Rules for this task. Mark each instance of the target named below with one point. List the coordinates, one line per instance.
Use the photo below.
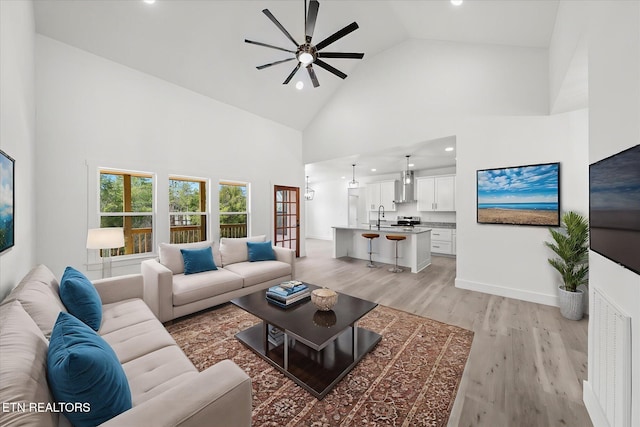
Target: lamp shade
(105, 238)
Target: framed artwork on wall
(7, 199)
(522, 195)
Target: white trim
(319, 237)
(597, 415)
(529, 296)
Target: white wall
(17, 133)
(614, 125)
(399, 96)
(512, 260)
(94, 113)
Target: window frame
(206, 205)
(247, 212)
(94, 261)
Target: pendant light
(407, 177)
(353, 183)
(308, 192)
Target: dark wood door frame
(286, 217)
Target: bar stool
(396, 238)
(370, 236)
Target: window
(188, 213)
(233, 209)
(126, 200)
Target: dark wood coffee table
(319, 348)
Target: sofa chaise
(166, 388)
(170, 293)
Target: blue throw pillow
(261, 251)
(83, 369)
(81, 298)
(198, 260)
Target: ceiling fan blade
(312, 74)
(311, 19)
(346, 55)
(260, 67)
(290, 76)
(279, 25)
(337, 35)
(268, 45)
(329, 68)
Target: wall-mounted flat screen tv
(614, 208)
(522, 195)
(7, 198)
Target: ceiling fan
(307, 53)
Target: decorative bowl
(324, 299)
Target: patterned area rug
(409, 379)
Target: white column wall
(614, 125)
(17, 133)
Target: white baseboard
(529, 296)
(598, 418)
(308, 236)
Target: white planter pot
(571, 304)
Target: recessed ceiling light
(343, 177)
(373, 170)
(456, 2)
(411, 165)
(299, 85)
(149, 1)
(448, 149)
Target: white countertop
(385, 229)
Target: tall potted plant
(571, 245)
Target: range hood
(405, 189)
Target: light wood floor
(527, 363)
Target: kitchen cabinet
(441, 241)
(436, 193)
(381, 193)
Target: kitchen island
(414, 252)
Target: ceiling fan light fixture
(299, 85)
(306, 58)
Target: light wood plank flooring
(527, 363)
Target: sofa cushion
(198, 260)
(38, 294)
(196, 287)
(254, 273)
(234, 250)
(261, 251)
(81, 298)
(156, 372)
(139, 339)
(171, 257)
(119, 315)
(23, 368)
(82, 368)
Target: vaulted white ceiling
(199, 45)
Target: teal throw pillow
(261, 251)
(81, 298)
(84, 372)
(198, 260)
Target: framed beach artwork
(7, 197)
(523, 195)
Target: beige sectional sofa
(166, 389)
(170, 293)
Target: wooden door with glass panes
(287, 217)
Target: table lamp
(105, 238)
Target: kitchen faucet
(378, 222)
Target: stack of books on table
(287, 294)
